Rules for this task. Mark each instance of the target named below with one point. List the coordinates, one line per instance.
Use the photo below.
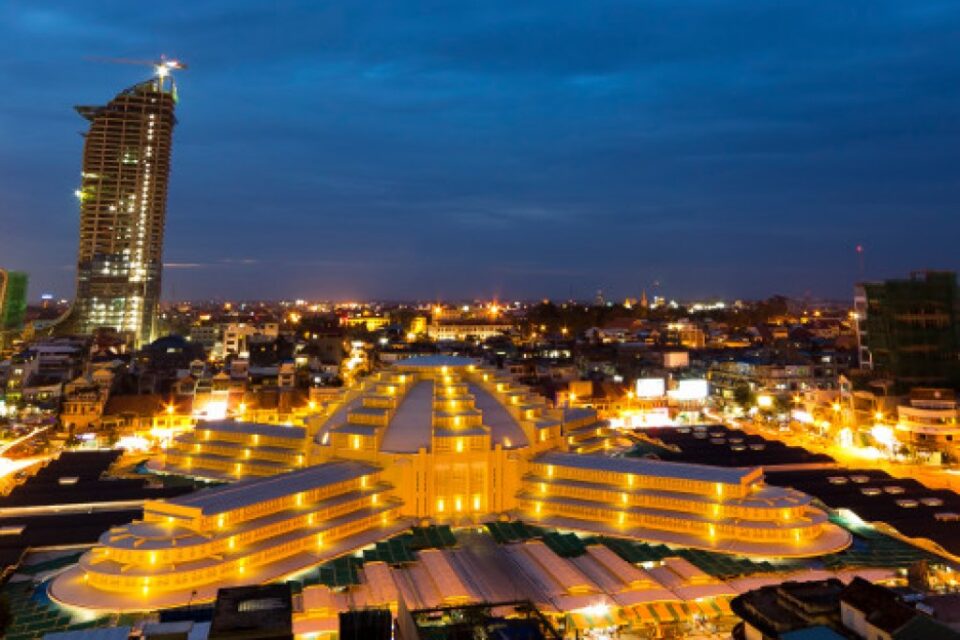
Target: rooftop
(429, 362)
(699, 472)
(247, 492)
(253, 428)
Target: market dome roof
(418, 400)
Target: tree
(743, 395)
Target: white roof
(495, 415)
(247, 492)
(409, 430)
(253, 428)
(443, 574)
(679, 470)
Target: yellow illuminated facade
(251, 531)
(227, 450)
(370, 323)
(433, 438)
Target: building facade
(929, 422)
(13, 300)
(123, 202)
(910, 329)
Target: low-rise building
(930, 421)
(467, 330)
(781, 376)
(84, 400)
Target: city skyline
(456, 153)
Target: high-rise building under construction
(123, 204)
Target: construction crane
(162, 67)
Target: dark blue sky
(524, 149)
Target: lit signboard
(690, 390)
(651, 388)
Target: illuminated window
(260, 604)
(356, 442)
(459, 445)
(440, 505)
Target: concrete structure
(226, 450)
(253, 531)
(910, 329)
(123, 202)
(467, 329)
(435, 438)
(13, 300)
(930, 421)
(779, 375)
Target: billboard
(696, 389)
(651, 388)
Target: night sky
(517, 149)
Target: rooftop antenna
(861, 260)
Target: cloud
(423, 147)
